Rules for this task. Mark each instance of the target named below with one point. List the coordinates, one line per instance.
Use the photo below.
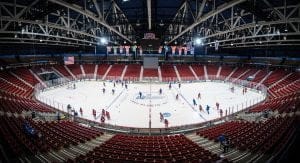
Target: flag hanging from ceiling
(69, 60)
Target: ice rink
(128, 109)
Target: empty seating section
(133, 70)
(239, 72)
(289, 103)
(11, 88)
(289, 88)
(8, 77)
(249, 73)
(274, 77)
(168, 72)
(260, 75)
(102, 69)
(250, 135)
(212, 69)
(226, 70)
(89, 68)
(150, 73)
(149, 149)
(116, 70)
(75, 69)
(63, 71)
(289, 80)
(26, 75)
(54, 135)
(199, 70)
(185, 72)
(18, 104)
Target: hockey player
(102, 119)
(177, 97)
(140, 93)
(104, 84)
(194, 102)
(217, 105)
(107, 115)
(200, 108)
(207, 109)
(166, 123)
(113, 91)
(126, 86)
(170, 86)
(74, 86)
(80, 110)
(199, 95)
(221, 113)
(160, 91)
(114, 84)
(179, 85)
(103, 90)
(161, 117)
(103, 112)
(94, 113)
(232, 89)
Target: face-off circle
(150, 99)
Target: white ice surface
(126, 109)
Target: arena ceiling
(222, 23)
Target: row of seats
(43, 137)
(287, 103)
(128, 148)
(251, 135)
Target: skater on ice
(161, 117)
(74, 86)
(113, 91)
(114, 84)
(103, 112)
(126, 86)
(179, 85)
(80, 110)
(200, 108)
(177, 97)
(199, 95)
(221, 113)
(140, 94)
(194, 102)
(207, 109)
(104, 84)
(94, 113)
(166, 123)
(102, 119)
(160, 91)
(170, 86)
(103, 90)
(217, 105)
(107, 115)
(232, 89)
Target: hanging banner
(179, 50)
(127, 50)
(121, 49)
(160, 49)
(108, 48)
(185, 50)
(115, 50)
(173, 49)
(134, 48)
(192, 50)
(141, 50)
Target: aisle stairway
(72, 152)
